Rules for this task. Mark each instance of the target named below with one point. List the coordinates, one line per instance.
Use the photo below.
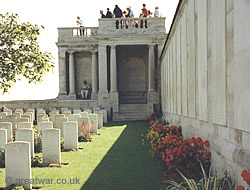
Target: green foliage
(62, 143)
(20, 54)
(206, 183)
(85, 138)
(36, 161)
(2, 157)
(37, 140)
(14, 187)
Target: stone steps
(131, 112)
(132, 97)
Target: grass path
(115, 160)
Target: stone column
(103, 98)
(114, 100)
(94, 75)
(62, 74)
(113, 70)
(72, 91)
(151, 68)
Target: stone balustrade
(76, 33)
(108, 27)
(119, 26)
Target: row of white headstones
(69, 124)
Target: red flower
(150, 150)
(167, 160)
(151, 122)
(206, 143)
(155, 149)
(244, 173)
(240, 187)
(206, 154)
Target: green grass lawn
(115, 160)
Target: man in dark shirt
(118, 14)
(108, 14)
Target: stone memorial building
(121, 65)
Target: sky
(62, 13)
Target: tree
(20, 54)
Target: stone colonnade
(101, 77)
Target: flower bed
(175, 152)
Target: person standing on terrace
(118, 14)
(80, 24)
(156, 13)
(102, 15)
(108, 14)
(145, 14)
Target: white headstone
(95, 109)
(28, 136)
(3, 114)
(51, 146)
(70, 131)
(105, 115)
(84, 126)
(76, 111)
(18, 115)
(41, 117)
(26, 116)
(100, 119)
(3, 137)
(88, 110)
(67, 113)
(44, 125)
(18, 164)
(8, 111)
(74, 117)
(24, 125)
(59, 124)
(94, 120)
(8, 127)
(84, 114)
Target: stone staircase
(135, 97)
(130, 112)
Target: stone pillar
(151, 68)
(113, 70)
(94, 76)
(103, 97)
(70, 131)
(72, 91)
(18, 164)
(3, 137)
(62, 74)
(114, 100)
(51, 146)
(28, 136)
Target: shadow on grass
(127, 165)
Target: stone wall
(49, 104)
(132, 68)
(205, 77)
(83, 69)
